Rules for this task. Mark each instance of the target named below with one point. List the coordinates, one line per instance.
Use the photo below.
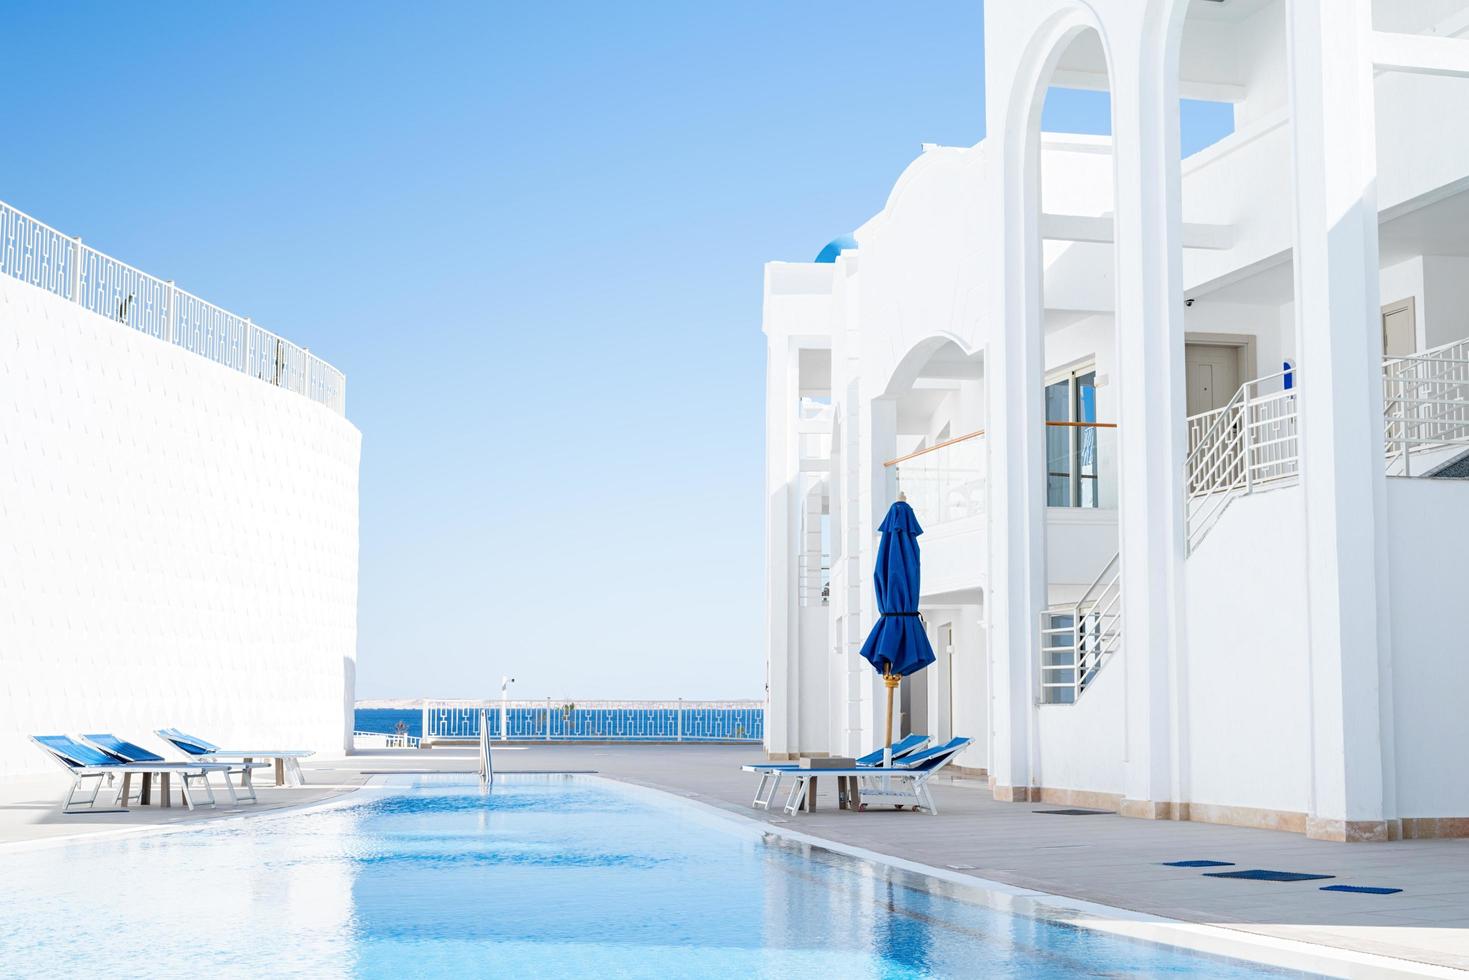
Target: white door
(1212, 372)
(1399, 329)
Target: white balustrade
(598, 721)
(40, 255)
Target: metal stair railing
(1249, 444)
(1076, 640)
(1425, 401)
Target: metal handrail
(1095, 633)
(935, 447)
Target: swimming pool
(543, 876)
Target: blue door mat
(1074, 813)
(1258, 874)
(1198, 864)
(1360, 889)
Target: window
(1071, 444)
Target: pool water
(541, 876)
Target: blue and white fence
(597, 721)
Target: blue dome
(835, 248)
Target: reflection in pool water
(543, 876)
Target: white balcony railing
(597, 721)
(38, 254)
(944, 482)
(1426, 406)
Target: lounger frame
(897, 786)
(80, 773)
(771, 773)
(287, 761)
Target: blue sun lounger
(905, 784)
(125, 751)
(287, 764)
(85, 762)
(771, 772)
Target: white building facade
(178, 514)
(1183, 433)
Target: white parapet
(178, 541)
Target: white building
(1152, 413)
(178, 513)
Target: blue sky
(531, 235)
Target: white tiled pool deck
(1105, 859)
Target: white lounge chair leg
(203, 778)
(758, 802)
(293, 772)
(230, 788)
(797, 797)
(247, 787)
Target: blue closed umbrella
(898, 644)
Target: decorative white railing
(38, 254)
(384, 740)
(1077, 640)
(1425, 400)
(1248, 445)
(597, 721)
(944, 482)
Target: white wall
(1248, 707)
(1444, 315)
(1430, 682)
(178, 543)
(1082, 745)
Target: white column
(1340, 402)
(857, 570)
(1014, 369)
(1148, 327)
(782, 674)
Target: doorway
(1214, 373)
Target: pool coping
(1197, 937)
(1208, 939)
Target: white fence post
(679, 736)
(423, 730)
(1247, 441)
(548, 719)
(170, 332)
(76, 271)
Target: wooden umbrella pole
(891, 680)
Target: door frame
(1410, 304)
(1248, 365)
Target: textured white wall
(178, 543)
